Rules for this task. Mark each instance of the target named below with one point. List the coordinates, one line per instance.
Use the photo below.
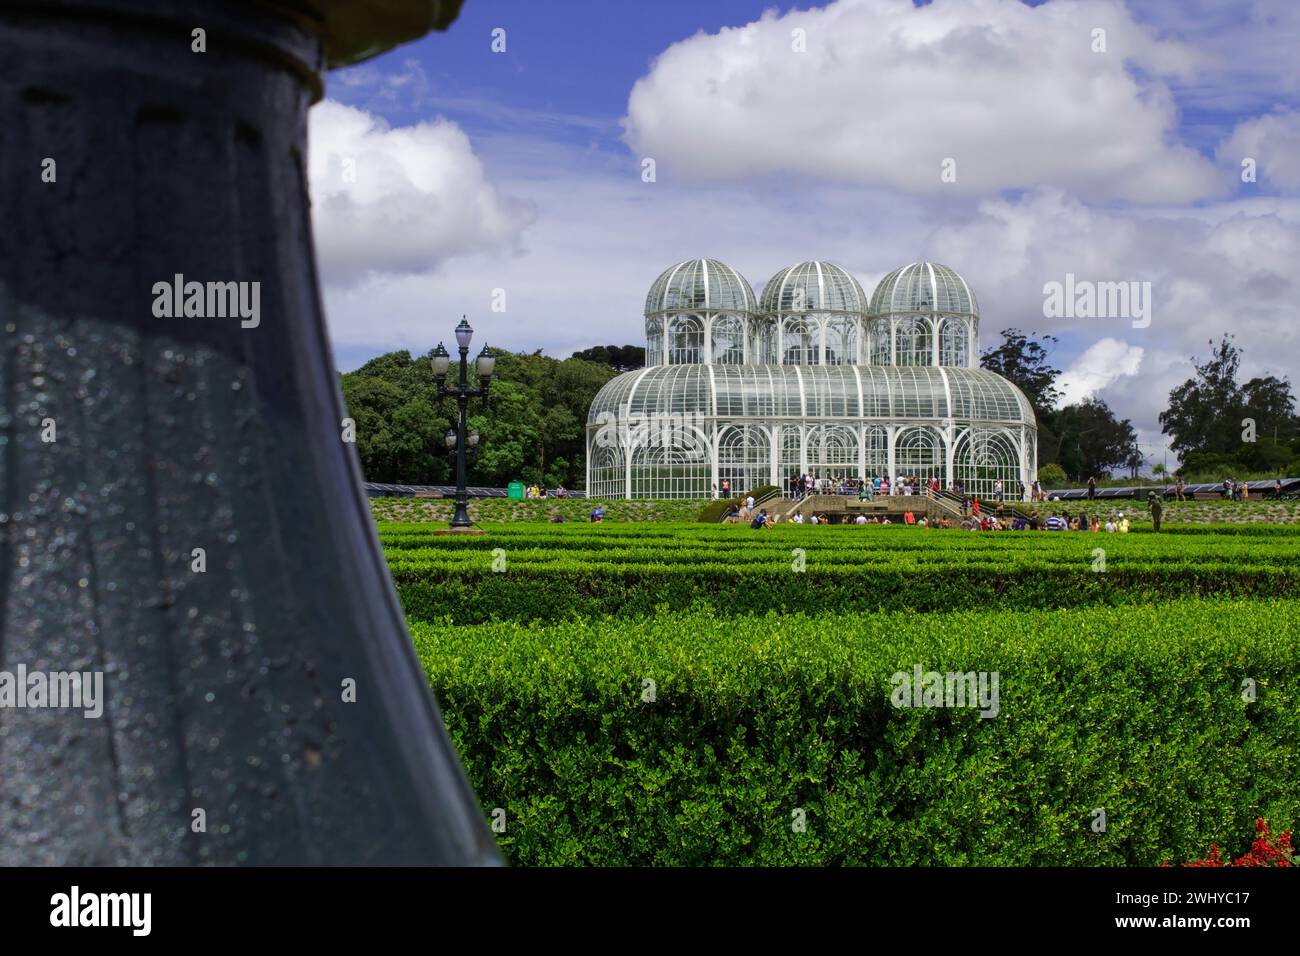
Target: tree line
(1218, 426)
(534, 429)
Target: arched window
(912, 341)
(841, 341)
(679, 468)
(954, 342)
(801, 343)
(875, 440)
(880, 354)
(608, 477)
(744, 457)
(832, 451)
(790, 462)
(981, 456)
(728, 344)
(685, 340)
(919, 453)
(654, 341)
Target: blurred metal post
(181, 514)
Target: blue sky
(477, 172)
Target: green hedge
(1135, 710)
(497, 511)
(548, 595)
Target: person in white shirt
(1110, 524)
(798, 517)
(812, 520)
(860, 519)
(749, 503)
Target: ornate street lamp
(458, 444)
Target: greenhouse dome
(923, 314)
(698, 311)
(736, 395)
(812, 313)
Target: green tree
(621, 358)
(1221, 427)
(1024, 361)
(1094, 442)
(534, 428)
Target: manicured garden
(701, 694)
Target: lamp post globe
(463, 334)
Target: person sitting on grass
(798, 517)
(1111, 526)
(860, 519)
(760, 520)
(1058, 522)
(597, 515)
(1123, 524)
(922, 523)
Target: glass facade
(810, 377)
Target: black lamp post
(457, 442)
(273, 691)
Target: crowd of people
(1115, 523)
(865, 489)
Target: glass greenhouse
(811, 377)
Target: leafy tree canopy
(532, 431)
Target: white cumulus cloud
(1098, 366)
(1273, 142)
(886, 91)
(400, 201)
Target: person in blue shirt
(760, 519)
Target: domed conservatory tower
(810, 377)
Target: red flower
(1262, 851)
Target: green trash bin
(515, 491)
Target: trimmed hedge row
(551, 593)
(755, 722)
(506, 511)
